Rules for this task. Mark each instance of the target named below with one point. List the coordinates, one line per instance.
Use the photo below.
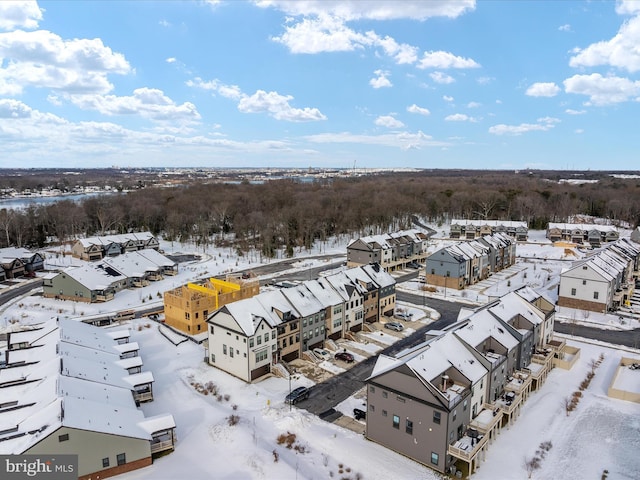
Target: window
(409, 427)
(121, 458)
(304, 322)
(259, 338)
(401, 399)
(105, 462)
(291, 340)
(266, 337)
(224, 349)
(584, 282)
(595, 295)
(261, 356)
(372, 408)
(372, 389)
(573, 292)
(273, 334)
(455, 414)
(434, 458)
(464, 405)
(273, 347)
(213, 358)
(63, 438)
(211, 329)
(436, 417)
(385, 394)
(251, 342)
(396, 421)
(231, 352)
(384, 413)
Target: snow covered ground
(601, 434)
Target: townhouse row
(392, 251)
(17, 262)
(442, 402)
(466, 263)
(471, 229)
(71, 388)
(100, 282)
(582, 233)
(604, 281)
(248, 337)
(103, 246)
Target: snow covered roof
(303, 300)
(582, 226)
(16, 252)
(92, 277)
(248, 313)
(132, 264)
(156, 257)
(511, 304)
(322, 289)
(482, 325)
(379, 275)
(492, 223)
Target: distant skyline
(320, 83)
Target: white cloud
(14, 109)
(164, 23)
(445, 60)
(571, 111)
(565, 28)
(402, 140)
(543, 89)
(372, 9)
(548, 120)
(277, 106)
(627, 7)
(402, 53)
(321, 34)
(442, 78)
(170, 60)
(473, 105)
(621, 51)
(19, 14)
(388, 121)
(43, 59)
(603, 90)
(579, 130)
(484, 80)
(447, 98)
(381, 80)
(215, 86)
(147, 102)
(460, 117)
(503, 129)
(419, 110)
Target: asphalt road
(325, 396)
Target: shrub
(233, 420)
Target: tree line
(286, 214)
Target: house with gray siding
(392, 251)
(88, 284)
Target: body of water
(25, 202)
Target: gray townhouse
(471, 229)
(392, 250)
(442, 402)
(581, 233)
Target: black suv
(300, 393)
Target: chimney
(444, 382)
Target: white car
(322, 354)
(403, 315)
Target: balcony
(142, 397)
(105, 297)
(157, 446)
(487, 419)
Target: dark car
(296, 395)
(345, 357)
(359, 414)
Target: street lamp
(290, 402)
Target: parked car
(296, 395)
(398, 327)
(345, 357)
(403, 315)
(414, 265)
(322, 353)
(359, 414)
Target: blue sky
(320, 83)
